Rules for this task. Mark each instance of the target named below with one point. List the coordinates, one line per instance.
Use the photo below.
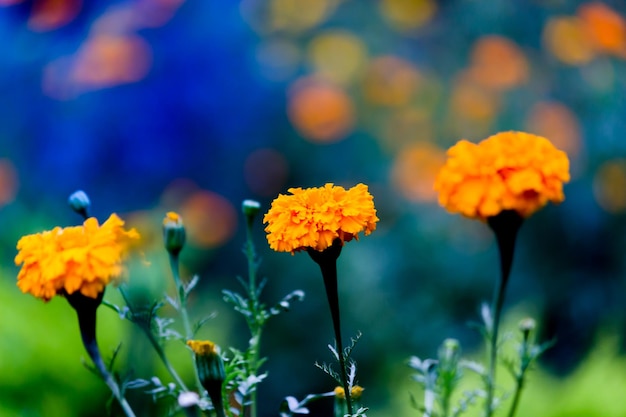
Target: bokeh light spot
(606, 27)
(406, 15)
(337, 55)
(320, 111)
(567, 39)
(555, 121)
(390, 81)
(414, 171)
(210, 219)
(498, 63)
(51, 14)
(298, 15)
(8, 182)
(265, 172)
(609, 186)
(107, 60)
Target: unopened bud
(250, 209)
(210, 367)
(526, 326)
(449, 351)
(173, 233)
(79, 202)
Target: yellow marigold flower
(80, 258)
(314, 217)
(507, 171)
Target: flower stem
(254, 323)
(519, 384)
(182, 304)
(505, 226)
(327, 260)
(182, 298)
(86, 308)
(146, 327)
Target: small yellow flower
(355, 392)
(172, 219)
(315, 217)
(80, 258)
(507, 171)
(202, 347)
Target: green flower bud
(173, 232)
(79, 202)
(449, 351)
(250, 209)
(526, 326)
(211, 373)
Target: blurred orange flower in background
(80, 258)
(507, 171)
(320, 111)
(605, 27)
(315, 217)
(498, 63)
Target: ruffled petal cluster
(80, 258)
(315, 217)
(507, 171)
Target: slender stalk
(86, 308)
(327, 260)
(518, 392)
(154, 342)
(505, 227)
(182, 301)
(182, 304)
(253, 322)
(161, 353)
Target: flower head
(80, 258)
(508, 171)
(315, 217)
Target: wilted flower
(315, 217)
(508, 171)
(80, 258)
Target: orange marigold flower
(315, 217)
(80, 258)
(507, 171)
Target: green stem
(86, 308)
(327, 260)
(182, 304)
(155, 343)
(161, 353)
(518, 392)
(182, 299)
(254, 325)
(505, 227)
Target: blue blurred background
(193, 106)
